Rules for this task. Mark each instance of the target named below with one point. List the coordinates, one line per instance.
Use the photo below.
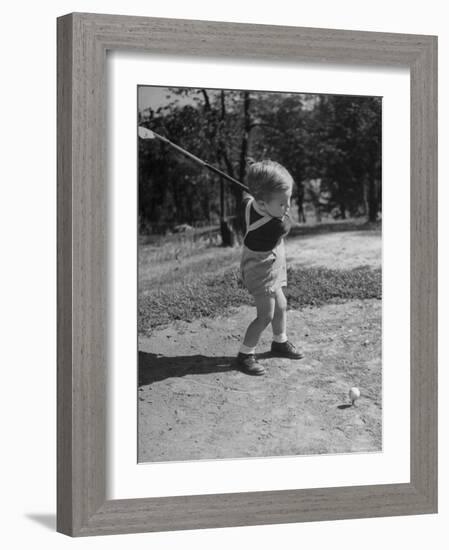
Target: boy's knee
(281, 307)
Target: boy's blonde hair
(267, 177)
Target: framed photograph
(247, 281)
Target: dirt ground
(193, 404)
(345, 250)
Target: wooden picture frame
(83, 40)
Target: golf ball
(354, 394)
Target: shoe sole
(252, 372)
(245, 370)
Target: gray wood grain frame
(83, 40)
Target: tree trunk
(236, 191)
(227, 230)
(301, 213)
(222, 200)
(228, 237)
(245, 136)
(372, 200)
(300, 204)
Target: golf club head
(144, 133)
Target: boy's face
(278, 203)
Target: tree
(344, 152)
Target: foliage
(331, 145)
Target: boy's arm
(242, 208)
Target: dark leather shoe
(286, 349)
(249, 365)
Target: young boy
(263, 265)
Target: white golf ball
(354, 394)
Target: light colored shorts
(264, 272)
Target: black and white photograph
(259, 274)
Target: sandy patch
(344, 250)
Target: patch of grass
(210, 296)
(317, 286)
(204, 296)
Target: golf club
(145, 133)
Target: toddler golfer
(263, 265)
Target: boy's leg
(281, 347)
(265, 306)
(246, 358)
(279, 322)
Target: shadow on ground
(155, 368)
(46, 520)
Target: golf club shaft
(202, 162)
